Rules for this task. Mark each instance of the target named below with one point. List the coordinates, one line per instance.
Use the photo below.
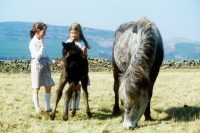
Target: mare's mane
(142, 51)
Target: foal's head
(70, 48)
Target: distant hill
(14, 41)
(178, 48)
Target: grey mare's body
(137, 57)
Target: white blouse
(80, 44)
(37, 51)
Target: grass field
(175, 106)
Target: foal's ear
(63, 43)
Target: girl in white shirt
(40, 69)
(76, 35)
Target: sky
(174, 18)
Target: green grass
(173, 90)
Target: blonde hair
(77, 27)
(37, 26)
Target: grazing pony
(137, 57)
(75, 69)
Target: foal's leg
(70, 93)
(63, 81)
(84, 83)
(116, 109)
(74, 98)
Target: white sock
(88, 81)
(36, 101)
(47, 100)
(78, 99)
(70, 104)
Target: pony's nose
(131, 128)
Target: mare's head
(70, 48)
(133, 91)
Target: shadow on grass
(102, 114)
(186, 113)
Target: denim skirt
(41, 73)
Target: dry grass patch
(175, 106)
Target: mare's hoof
(149, 119)
(116, 113)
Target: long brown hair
(77, 27)
(37, 26)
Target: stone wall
(95, 65)
(184, 64)
(23, 66)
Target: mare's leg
(63, 81)
(116, 109)
(153, 76)
(84, 83)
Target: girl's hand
(59, 64)
(83, 48)
(40, 42)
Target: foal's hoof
(52, 117)
(73, 114)
(89, 114)
(65, 118)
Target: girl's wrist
(53, 61)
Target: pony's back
(136, 42)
